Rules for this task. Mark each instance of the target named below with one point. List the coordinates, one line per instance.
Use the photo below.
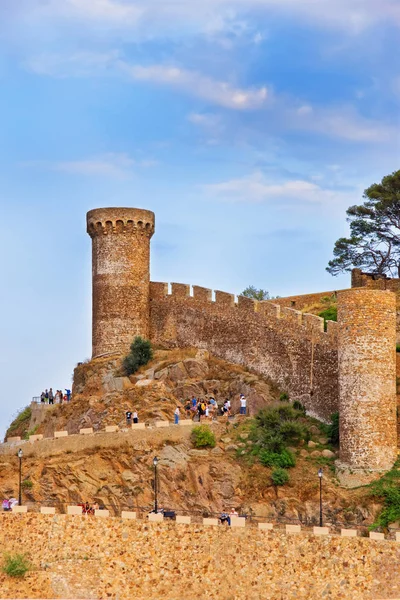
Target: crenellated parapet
(131, 221)
(309, 325)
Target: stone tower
(367, 379)
(120, 276)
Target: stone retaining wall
(141, 560)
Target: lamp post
(155, 463)
(320, 497)
(20, 455)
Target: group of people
(49, 397)
(209, 409)
(9, 503)
(131, 417)
(89, 509)
(226, 517)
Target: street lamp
(20, 455)
(320, 497)
(155, 463)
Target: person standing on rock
(135, 417)
(128, 416)
(243, 404)
(42, 397)
(176, 416)
(51, 396)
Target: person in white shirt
(176, 416)
(135, 417)
(243, 403)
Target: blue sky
(248, 126)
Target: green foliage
(16, 565)
(141, 353)
(329, 314)
(203, 437)
(252, 292)
(33, 431)
(284, 397)
(279, 476)
(21, 422)
(284, 459)
(333, 429)
(275, 428)
(374, 242)
(397, 347)
(27, 484)
(387, 489)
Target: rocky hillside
(204, 481)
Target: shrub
(397, 347)
(283, 459)
(299, 406)
(27, 484)
(333, 429)
(388, 489)
(279, 476)
(202, 436)
(141, 353)
(15, 565)
(284, 397)
(21, 422)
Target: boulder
(177, 372)
(198, 452)
(161, 375)
(328, 453)
(197, 369)
(311, 444)
(323, 441)
(217, 450)
(231, 447)
(226, 440)
(144, 383)
(315, 453)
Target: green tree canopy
(374, 242)
(253, 292)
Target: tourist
(42, 397)
(135, 417)
(224, 408)
(6, 504)
(228, 405)
(188, 409)
(46, 396)
(13, 502)
(225, 518)
(201, 409)
(194, 409)
(193, 401)
(128, 416)
(95, 507)
(176, 416)
(68, 393)
(58, 397)
(243, 403)
(233, 513)
(51, 396)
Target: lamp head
(320, 473)
(155, 461)
(20, 453)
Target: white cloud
(106, 165)
(341, 122)
(256, 188)
(217, 92)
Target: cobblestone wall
(367, 378)
(120, 275)
(88, 557)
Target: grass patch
(27, 484)
(21, 422)
(16, 565)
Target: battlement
(308, 325)
(106, 221)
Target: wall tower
(367, 379)
(120, 276)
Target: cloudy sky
(248, 126)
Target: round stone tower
(367, 379)
(121, 276)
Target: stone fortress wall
(88, 557)
(274, 339)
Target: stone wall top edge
(119, 212)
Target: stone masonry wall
(289, 347)
(120, 274)
(375, 282)
(367, 378)
(88, 557)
